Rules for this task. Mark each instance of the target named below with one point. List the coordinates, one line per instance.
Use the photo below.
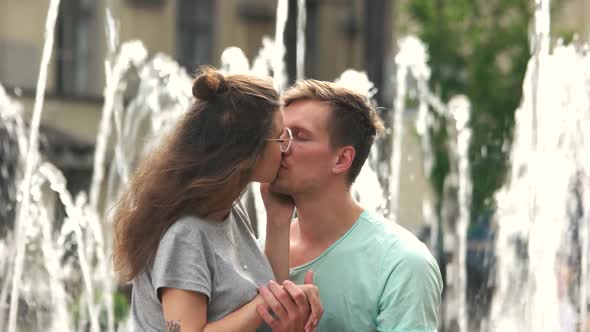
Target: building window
(194, 41)
(76, 52)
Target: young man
(372, 274)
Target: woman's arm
(276, 249)
(279, 210)
(186, 311)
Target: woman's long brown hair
(200, 168)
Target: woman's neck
(219, 215)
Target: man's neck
(324, 217)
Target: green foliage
(478, 48)
(121, 308)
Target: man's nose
(288, 152)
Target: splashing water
(538, 211)
(31, 161)
(278, 65)
(543, 218)
(411, 62)
(83, 243)
(450, 235)
(460, 111)
(301, 23)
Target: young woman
(181, 234)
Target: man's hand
(312, 294)
(279, 207)
(296, 307)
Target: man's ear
(344, 158)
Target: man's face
(308, 163)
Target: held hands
(279, 207)
(296, 308)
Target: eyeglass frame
(280, 140)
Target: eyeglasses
(284, 140)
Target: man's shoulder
(387, 233)
(398, 245)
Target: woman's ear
(343, 159)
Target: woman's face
(268, 163)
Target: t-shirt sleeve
(411, 295)
(183, 261)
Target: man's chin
(279, 187)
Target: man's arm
(411, 295)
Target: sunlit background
(486, 158)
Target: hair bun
(208, 84)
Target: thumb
(308, 280)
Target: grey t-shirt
(221, 260)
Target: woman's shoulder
(192, 225)
(187, 226)
(187, 234)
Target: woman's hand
(279, 207)
(297, 308)
(290, 313)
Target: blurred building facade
(194, 32)
(574, 18)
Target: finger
(271, 300)
(284, 298)
(308, 277)
(314, 328)
(297, 295)
(301, 301)
(317, 310)
(263, 312)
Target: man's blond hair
(353, 120)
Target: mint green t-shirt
(376, 277)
